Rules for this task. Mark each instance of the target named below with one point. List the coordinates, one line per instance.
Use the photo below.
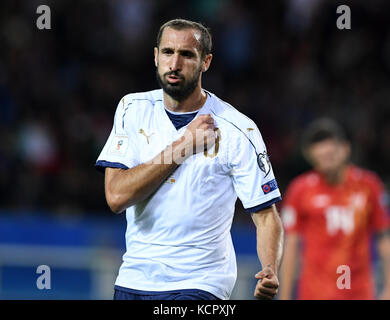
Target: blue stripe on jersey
(254, 147)
(181, 120)
(263, 205)
(123, 116)
(102, 164)
(127, 107)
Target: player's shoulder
(306, 180)
(141, 99)
(138, 104)
(224, 111)
(364, 176)
(133, 108)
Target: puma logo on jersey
(141, 131)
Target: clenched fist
(267, 285)
(199, 136)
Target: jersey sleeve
(119, 150)
(379, 217)
(292, 212)
(252, 174)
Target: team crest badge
(264, 163)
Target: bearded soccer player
(175, 161)
(330, 215)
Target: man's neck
(336, 177)
(192, 103)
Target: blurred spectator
(300, 13)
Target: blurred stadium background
(283, 63)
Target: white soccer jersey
(179, 238)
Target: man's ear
(206, 62)
(155, 56)
(347, 146)
(306, 154)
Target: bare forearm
(288, 267)
(384, 252)
(125, 188)
(136, 184)
(269, 239)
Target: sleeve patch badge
(119, 146)
(264, 163)
(269, 186)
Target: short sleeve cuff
(263, 205)
(101, 165)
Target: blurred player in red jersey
(329, 215)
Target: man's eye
(187, 54)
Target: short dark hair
(323, 129)
(180, 24)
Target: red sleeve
(291, 212)
(379, 218)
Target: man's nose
(175, 62)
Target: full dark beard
(178, 91)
